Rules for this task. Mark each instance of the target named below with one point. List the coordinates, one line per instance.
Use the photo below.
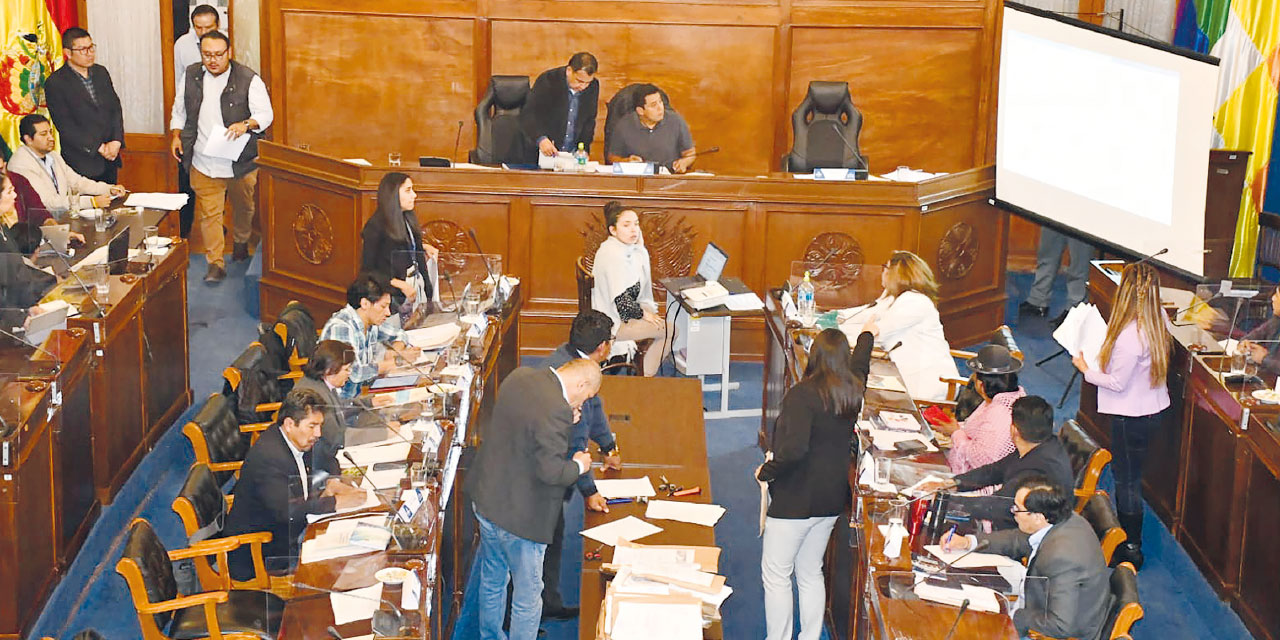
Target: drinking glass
(74, 202)
(471, 304)
(884, 470)
(102, 281)
(456, 354)
(100, 221)
(393, 158)
(151, 235)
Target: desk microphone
(333, 633)
(448, 280)
(57, 362)
(707, 152)
(457, 138)
(1158, 253)
(373, 487)
(964, 606)
(947, 566)
(74, 274)
(385, 623)
(862, 162)
(886, 353)
(497, 284)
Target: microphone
(448, 280)
(947, 566)
(373, 488)
(1158, 253)
(57, 362)
(333, 633)
(890, 350)
(707, 152)
(862, 162)
(964, 606)
(74, 274)
(457, 138)
(385, 623)
(497, 284)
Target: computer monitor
(118, 252)
(712, 264)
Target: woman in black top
(393, 246)
(807, 471)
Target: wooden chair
(1088, 459)
(203, 509)
(1124, 609)
(1003, 335)
(1101, 515)
(218, 439)
(586, 282)
(253, 388)
(164, 613)
(1268, 256)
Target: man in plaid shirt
(362, 324)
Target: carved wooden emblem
(452, 241)
(833, 259)
(667, 237)
(313, 234)
(957, 251)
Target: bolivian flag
(1245, 36)
(30, 49)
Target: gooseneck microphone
(75, 275)
(1158, 253)
(457, 138)
(497, 284)
(57, 362)
(964, 606)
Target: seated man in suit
(49, 174)
(1069, 600)
(282, 481)
(363, 325)
(1035, 452)
(560, 112)
(590, 338)
(652, 135)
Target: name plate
(634, 168)
(839, 173)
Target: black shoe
(240, 252)
(215, 274)
(559, 613)
(1026, 308)
(1128, 552)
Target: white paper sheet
(696, 513)
(1082, 331)
(357, 604)
(433, 337)
(369, 455)
(217, 145)
(371, 500)
(744, 302)
(980, 598)
(886, 383)
(629, 528)
(653, 556)
(381, 479)
(972, 560)
(646, 621)
(626, 488)
(166, 201)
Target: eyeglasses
(1015, 510)
(89, 49)
(213, 55)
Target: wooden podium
(314, 207)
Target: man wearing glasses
(86, 110)
(222, 100)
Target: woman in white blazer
(907, 312)
(624, 287)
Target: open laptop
(58, 236)
(39, 327)
(710, 269)
(118, 252)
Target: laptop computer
(58, 236)
(39, 327)
(710, 268)
(118, 252)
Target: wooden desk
(541, 222)
(1213, 475)
(46, 499)
(657, 439)
(855, 560)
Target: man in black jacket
(281, 484)
(86, 110)
(517, 486)
(1036, 452)
(591, 338)
(561, 110)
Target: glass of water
(471, 304)
(100, 221)
(74, 202)
(151, 235)
(102, 282)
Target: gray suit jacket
(1072, 600)
(520, 473)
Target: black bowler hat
(994, 359)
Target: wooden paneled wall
(362, 78)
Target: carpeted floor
(1178, 601)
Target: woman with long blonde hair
(1131, 378)
(905, 316)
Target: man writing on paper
(590, 338)
(1035, 452)
(49, 174)
(1070, 598)
(223, 99)
(282, 481)
(560, 113)
(652, 135)
(363, 325)
(517, 488)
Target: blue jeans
(1129, 438)
(504, 556)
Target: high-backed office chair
(203, 509)
(587, 282)
(165, 613)
(823, 118)
(499, 138)
(297, 330)
(217, 438)
(251, 382)
(1088, 459)
(621, 104)
(1101, 515)
(1269, 246)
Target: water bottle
(580, 156)
(804, 302)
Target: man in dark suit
(560, 112)
(591, 338)
(1036, 452)
(281, 483)
(1066, 590)
(517, 486)
(86, 110)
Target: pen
(618, 501)
(946, 541)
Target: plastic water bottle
(580, 156)
(804, 302)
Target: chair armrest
(231, 499)
(619, 366)
(267, 406)
(946, 404)
(254, 427)
(206, 548)
(197, 599)
(965, 355)
(256, 537)
(292, 375)
(226, 466)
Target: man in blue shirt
(560, 112)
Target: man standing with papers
(517, 486)
(275, 492)
(215, 107)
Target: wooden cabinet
(1258, 598)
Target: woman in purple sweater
(1131, 385)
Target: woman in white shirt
(624, 286)
(907, 313)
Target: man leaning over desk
(51, 177)
(652, 135)
(561, 110)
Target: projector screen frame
(1106, 245)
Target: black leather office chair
(217, 438)
(254, 386)
(296, 329)
(499, 138)
(1088, 459)
(621, 104)
(824, 116)
(203, 509)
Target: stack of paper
(980, 598)
(357, 604)
(1082, 331)
(371, 501)
(644, 617)
(628, 528)
(435, 337)
(166, 201)
(885, 383)
(967, 560)
(344, 538)
(626, 488)
(373, 480)
(703, 514)
(367, 455)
